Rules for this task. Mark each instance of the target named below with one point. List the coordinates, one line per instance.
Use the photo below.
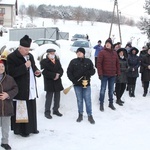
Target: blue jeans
(111, 81)
(83, 94)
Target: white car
(86, 44)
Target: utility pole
(118, 19)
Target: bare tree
(144, 23)
(54, 16)
(92, 16)
(147, 6)
(22, 11)
(31, 12)
(73, 13)
(79, 14)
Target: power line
(129, 4)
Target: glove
(57, 76)
(100, 77)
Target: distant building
(8, 11)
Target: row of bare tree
(79, 14)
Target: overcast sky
(129, 8)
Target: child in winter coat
(8, 90)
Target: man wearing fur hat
(80, 69)
(21, 66)
(108, 68)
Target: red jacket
(108, 63)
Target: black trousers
(96, 62)
(119, 89)
(48, 102)
(132, 80)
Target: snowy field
(126, 128)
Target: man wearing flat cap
(80, 69)
(52, 73)
(21, 66)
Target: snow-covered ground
(127, 128)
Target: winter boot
(101, 107)
(80, 118)
(91, 120)
(144, 95)
(57, 113)
(111, 106)
(47, 115)
(119, 102)
(6, 146)
(145, 92)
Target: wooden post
(118, 18)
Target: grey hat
(51, 50)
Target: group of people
(19, 90)
(18, 87)
(120, 67)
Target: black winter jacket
(49, 73)
(133, 62)
(18, 70)
(80, 67)
(146, 72)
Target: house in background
(8, 9)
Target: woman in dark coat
(52, 74)
(133, 65)
(8, 89)
(121, 80)
(145, 64)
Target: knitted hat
(109, 41)
(25, 41)
(80, 49)
(51, 50)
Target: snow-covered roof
(8, 2)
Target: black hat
(51, 50)
(25, 41)
(82, 50)
(109, 40)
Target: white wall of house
(10, 12)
